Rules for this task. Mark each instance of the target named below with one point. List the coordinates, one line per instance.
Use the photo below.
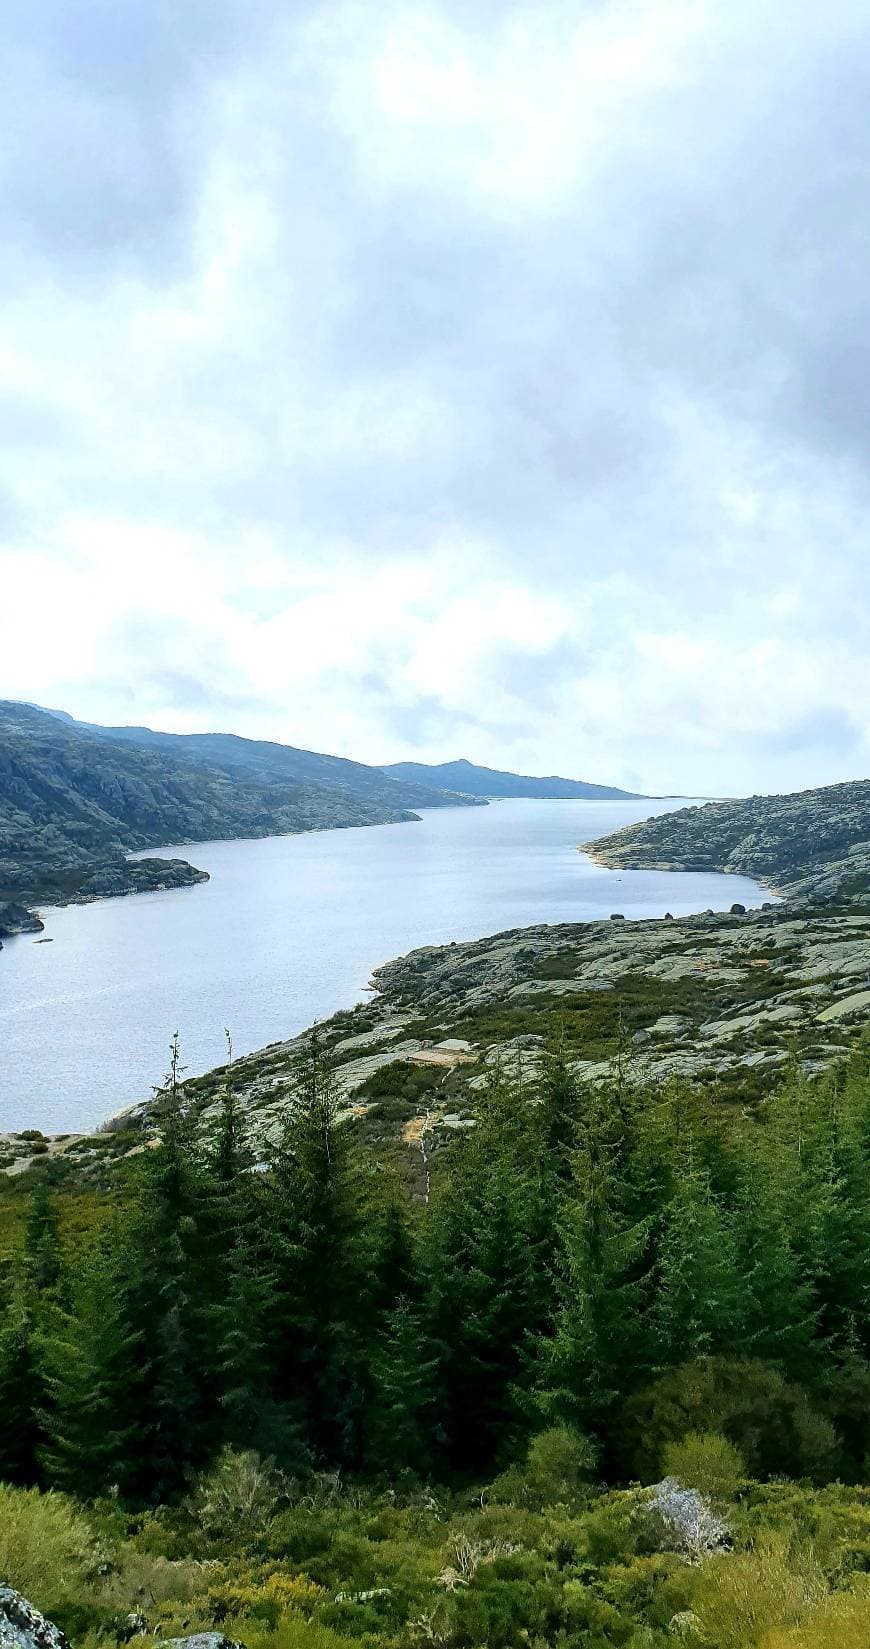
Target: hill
(75, 800)
(267, 762)
(466, 777)
(814, 843)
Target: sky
(414, 381)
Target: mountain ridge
(470, 778)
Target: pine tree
(161, 1254)
(776, 1320)
(20, 1391)
(489, 1288)
(695, 1306)
(558, 1107)
(597, 1343)
(42, 1252)
(89, 1362)
(400, 1416)
(316, 1247)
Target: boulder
(203, 1640)
(23, 1627)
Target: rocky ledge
(15, 918)
(23, 1627)
(110, 877)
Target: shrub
(237, 1497)
(558, 1461)
(46, 1547)
(741, 1598)
(705, 1461)
(771, 1422)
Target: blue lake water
(287, 931)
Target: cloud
(422, 379)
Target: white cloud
(429, 379)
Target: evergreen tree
(558, 1099)
(316, 1247)
(89, 1359)
(164, 1309)
(401, 1415)
(20, 1388)
(597, 1345)
(489, 1288)
(42, 1251)
(697, 1287)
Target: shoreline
(671, 868)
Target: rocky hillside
(265, 762)
(815, 843)
(74, 801)
(482, 782)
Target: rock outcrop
(15, 918)
(23, 1627)
(813, 844)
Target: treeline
(631, 1263)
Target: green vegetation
(300, 1407)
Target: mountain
(75, 799)
(465, 776)
(812, 843)
(267, 762)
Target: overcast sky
(425, 380)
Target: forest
(289, 1401)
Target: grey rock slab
(378, 1033)
(23, 1627)
(672, 1025)
(844, 1009)
(202, 1640)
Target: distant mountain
(465, 777)
(75, 799)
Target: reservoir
(287, 931)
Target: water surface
(288, 930)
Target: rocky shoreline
(16, 918)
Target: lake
(287, 931)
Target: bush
(237, 1497)
(742, 1598)
(772, 1423)
(705, 1461)
(559, 1463)
(46, 1547)
(559, 1460)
